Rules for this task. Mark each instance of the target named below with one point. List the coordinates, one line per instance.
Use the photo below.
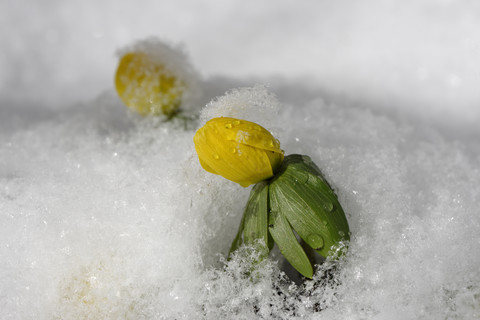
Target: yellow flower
(238, 150)
(144, 84)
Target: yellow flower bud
(238, 150)
(145, 85)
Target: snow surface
(107, 215)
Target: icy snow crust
(107, 215)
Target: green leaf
(256, 220)
(285, 239)
(254, 226)
(237, 242)
(309, 204)
(297, 201)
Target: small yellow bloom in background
(147, 86)
(238, 150)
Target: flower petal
(147, 86)
(222, 147)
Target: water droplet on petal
(315, 241)
(228, 126)
(234, 150)
(236, 122)
(215, 156)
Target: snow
(108, 215)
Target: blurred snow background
(107, 216)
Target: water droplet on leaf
(328, 206)
(307, 160)
(315, 241)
